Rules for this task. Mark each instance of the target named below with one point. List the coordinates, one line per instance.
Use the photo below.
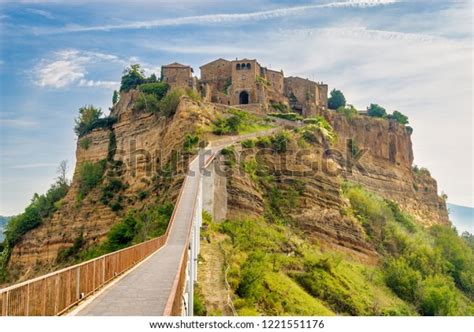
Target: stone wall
(177, 75)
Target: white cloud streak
(222, 18)
(68, 67)
(18, 123)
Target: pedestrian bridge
(152, 278)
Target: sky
(56, 56)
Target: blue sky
(56, 56)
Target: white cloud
(68, 67)
(40, 12)
(223, 18)
(18, 123)
(104, 84)
(38, 165)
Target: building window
(238, 66)
(248, 65)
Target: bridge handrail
(56, 292)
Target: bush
(348, 111)
(90, 119)
(231, 125)
(287, 116)
(158, 90)
(42, 206)
(437, 297)
(321, 125)
(66, 254)
(251, 276)
(336, 99)
(280, 141)
(170, 102)
(280, 107)
(376, 111)
(248, 143)
(147, 102)
(191, 141)
(90, 175)
(122, 234)
(402, 279)
(398, 117)
(85, 143)
(263, 142)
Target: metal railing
(56, 292)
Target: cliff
(138, 149)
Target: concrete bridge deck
(145, 290)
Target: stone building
(245, 81)
(306, 96)
(177, 75)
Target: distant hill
(462, 217)
(3, 225)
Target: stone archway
(244, 97)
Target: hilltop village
(246, 82)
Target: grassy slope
(275, 270)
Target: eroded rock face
(144, 144)
(387, 166)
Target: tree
(399, 117)
(336, 100)
(87, 116)
(152, 79)
(115, 97)
(376, 111)
(132, 77)
(62, 171)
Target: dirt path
(211, 277)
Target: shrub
(287, 116)
(321, 125)
(248, 143)
(122, 234)
(87, 116)
(398, 117)
(194, 95)
(336, 99)
(41, 206)
(348, 111)
(402, 279)
(85, 143)
(376, 111)
(280, 107)
(191, 141)
(280, 141)
(170, 102)
(437, 297)
(251, 276)
(90, 119)
(115, 97)
(263, 142)
(401, 217)
(459, 255)
(90, 175)
(158, 90)
(147, 102)
(233, 124)
(66, 254)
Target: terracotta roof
(209, 63)
(176, 65)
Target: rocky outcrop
(144, 147)
(386, 165)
